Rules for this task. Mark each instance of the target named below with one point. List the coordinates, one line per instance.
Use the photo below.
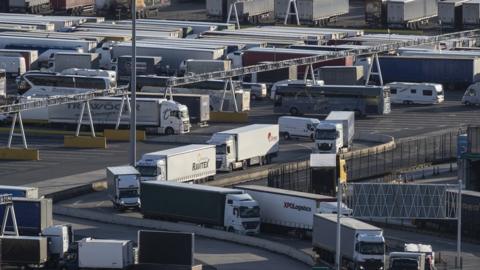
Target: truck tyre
(169, 131)
(467, 103)
(312, 137)
(230, 229)
(286, 136)
(244, 165)
(253, 97)
(294, 111)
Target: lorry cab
(406, 261)
(175, 118)
(302, 127)
(369, 250)
(123, 186)
(151, 169)
(416, 93)
(472, 95)
(328, 137)
(242, 214)
(225, 150)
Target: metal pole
(339, 202)
(12, 129)
(458, 260)
(80, 118)
(133, 86)
(90, 119)
(22, 130)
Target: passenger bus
(322, 99)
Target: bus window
(427, 92)
(413, 91)
(393, 91)
(90, 83)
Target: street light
(133, 89)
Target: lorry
(21, 192)
(105, 253)
(32, 215)
(335, 134)
(376, 13)
(325, 170)
(146, 65)
(198, 105)
(189, 163)
(224, 208)
(29, 6)
(450, 71)
(471, 14)
(472, 95)
(194, 66)
(156, 115)
(425, 249)
(30, 56)
(289, 210)
(245, 146)
(313, 11)
(362, 245)
(123, 186)
(120, 9)
(352, 75)
(450, 13)
(410, 13)
(66, 60)
(406, 261)
(13, 66)
(248, 11)
(72, 7)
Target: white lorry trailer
(245, 146)
(362, 245)
(123, 186)
(104, 253)
(157, 115)
(13, 66)
(288, 210)
(189, 163)
(335, 134)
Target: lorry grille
(250, 225)
(219, 164)
(325, 146)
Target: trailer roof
(193, 186)
(123, 170)
(348, 222)
(339, 115)
(15, 187)
(179, 150)
(285, 192)
(246, 128)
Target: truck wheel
(244, 165)
(231, 229)
(253, 97)
(467, 103)
(286, 136)
(312, 137)
(169, 131)
(294, 111)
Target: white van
(416, 93)
(301, 127)
(258, 91)
(472, 95)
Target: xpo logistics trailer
(287, 210)
(157, 115)
(189, 163)
(362, 245)
(229, 209)
(245, 146)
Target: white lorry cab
(416, 93)
(301, 127)
(328, 137)
(123, 186)
(472, 95)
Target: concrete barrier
(123, 135)
(229, 117)
(19, 154)
(170, 226)
(182, 139)
(388, 143)
(85, 142)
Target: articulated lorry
(123, 186)
(287, 210)
(245, 146)
(228, 209)
(406, 261)
(120, 9)
(325, 169)
(362, 245)
(189, 163)
(28, 6)
(156, 115)
(335, 134)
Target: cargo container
(45, 44)
(471, 13)
(249, 10)
(189, 163)
(121, 8)
(410, 13)
(342, 75)
(146, 65)
(324, 174)
(156, 115)
(13, 66)
(282, 209)
(198, 105)
(452, 72)
(66, 60)
(376, 12)
(21, 192)
(313, 10)
(72, 7)
(362, 244)
(123, 186)
(29, 6)
(105, 253)
(194, 66)
(450, 13)
(246, 146)
(22, 250)
(32, 215)
(30, 56)
(229, 209)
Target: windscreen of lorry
(221, 149)
(129, 193)
(147, 170)
(321, 134)
(371, 248)
(249, 212)
(404, 264)
(184, 114)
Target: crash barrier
(19, 154)
(85, 142)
